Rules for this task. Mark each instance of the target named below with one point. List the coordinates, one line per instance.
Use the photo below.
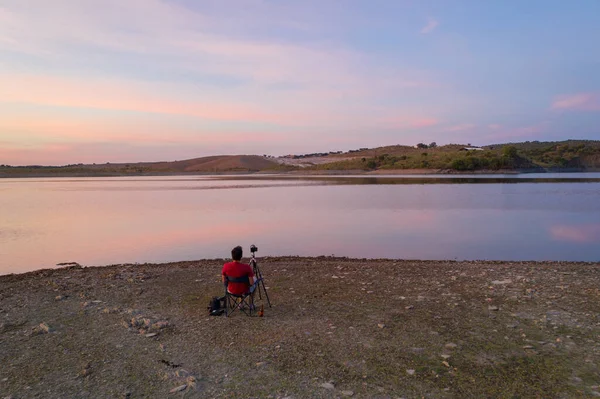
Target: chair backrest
(240, 280)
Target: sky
(94, 81)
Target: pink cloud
(424, 122)
(578, 102)
(121, 96)
(432, 23)
(494, 126)
(583, 234)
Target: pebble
(178, 389)
(347, 393)
(499, 282)
(451, 345)
(182, 373)
(191, 381)
(445, 363)
(527, 347)
(151, 335)
(327, 385)
(444, 356)
(493, 307)
(46, 328)
(409, 307)
(159, 325)
(381, 325)
(410, 372)
(260, 364)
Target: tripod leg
(266, 295)
(261, 283)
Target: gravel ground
(338, 328)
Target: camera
(253, 248)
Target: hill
(212, 164)
(552, 156)
(570, 155)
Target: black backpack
(216, 306)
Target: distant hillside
(561, 156)
(531, 156)
(213, 164)
(220, 163)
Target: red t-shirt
(237, 270)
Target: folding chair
(244, 302)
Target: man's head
(236, 253)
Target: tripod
(258, 275)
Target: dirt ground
(338, 328)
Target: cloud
(577, 102)
(198, 72)
(185, 41)
(581, 234)
(460, 128)
(424, 122)
(494, 126)
(432, 23)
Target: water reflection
(107, 221)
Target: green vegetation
(571, 154)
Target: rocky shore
(338, 328)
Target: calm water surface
(100, 221)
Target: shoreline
(434, 172)
(294, 258)
(339, 327)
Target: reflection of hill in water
(430, 179)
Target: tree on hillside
(433, 145)
(421, 145)
(510, 151)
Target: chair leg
(244, 304)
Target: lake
(101, 221)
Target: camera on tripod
(253, 248)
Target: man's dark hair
(236, 253)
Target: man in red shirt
(236, 269)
